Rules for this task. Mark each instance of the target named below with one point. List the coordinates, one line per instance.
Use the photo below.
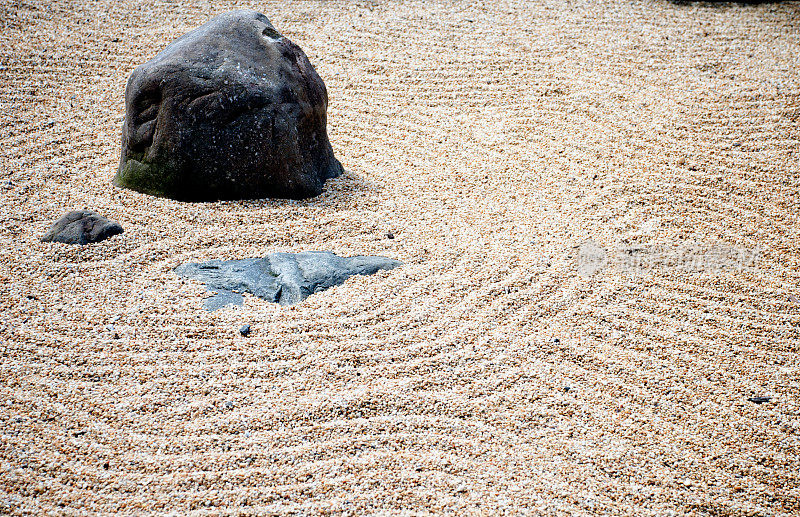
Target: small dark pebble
(556, 340)
(106, 465)
(245, 330)
(390, 235)
(567, 388)
(79, 433)
(31, 297)
(81, 227)
(759, 400)
(116, 336)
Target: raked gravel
(597, 208)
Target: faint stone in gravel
(759, 400)
(81, 227)
(284, 278)
(592, 258)
(230, 110)
(245, 330)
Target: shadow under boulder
(283, 278)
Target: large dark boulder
(284, 278)
(81, 227)
(231, 110)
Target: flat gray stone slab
(284, 278)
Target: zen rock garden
(232, 110)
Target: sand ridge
(596, 204)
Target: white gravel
(597, 206)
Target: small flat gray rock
(81, 227)
(283, 278)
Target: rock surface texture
(81, 227)
(231, 110)
(284, 278)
